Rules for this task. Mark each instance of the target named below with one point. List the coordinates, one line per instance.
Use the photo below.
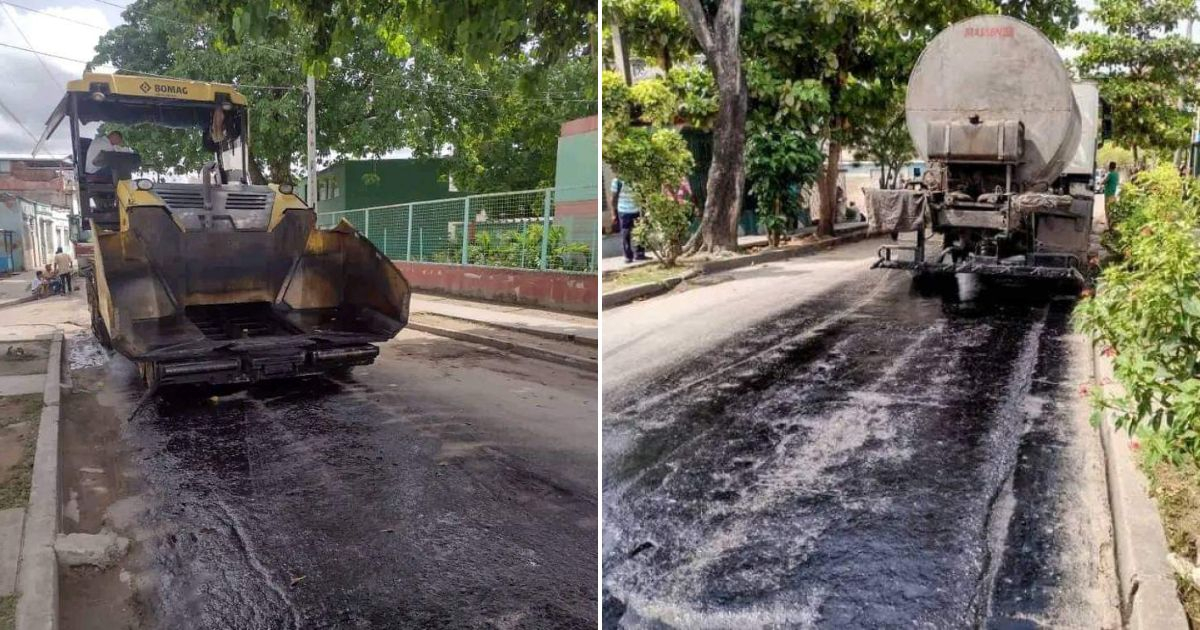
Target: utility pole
(311, 194)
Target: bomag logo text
(170, 89)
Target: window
(327, 189)
(5, 166)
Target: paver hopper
(221, 281)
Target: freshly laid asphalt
(446, 486)
(865, 457)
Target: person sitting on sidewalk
(626, 213)
(63, 266)
(37, 286)
(53, 284)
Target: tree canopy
(479, 30)
(818, 76)
(497, 123)
(654, 29)
(1147, 72)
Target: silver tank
(998, 68)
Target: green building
(354, 184)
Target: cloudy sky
(30, 90)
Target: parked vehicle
(1010, 143)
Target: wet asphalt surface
(347, 504)
(874, 458)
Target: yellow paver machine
(221, 280)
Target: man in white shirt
(113, 141)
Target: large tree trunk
(827, 186)
(718, 37)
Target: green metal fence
(512, 229)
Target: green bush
(651, 160)
(1146, 312)
(696, 91)
(522, 249)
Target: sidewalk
(15, 287)
(523, 319)
(617, 263)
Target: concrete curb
(587, 342)
(624, 296)
(28, 298)
(525, 351)
(37, 577)
(645, 290)
(608, 273)
(783, 253)
(839, 229)
(1145, 578)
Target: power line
(57, 17)
(18, 121)
(424, 87)
(38, 52)
(146, 74)
(469, 92)
(113, 4)
(8, 11)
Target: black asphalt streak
(320, 504)
(839, 467)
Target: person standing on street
(63, 266)
(626, 214)
(1112, 181)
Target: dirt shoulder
(18, 437)
(1176, 491)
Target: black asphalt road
(873, 458)
(369, 502)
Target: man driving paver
(112, 141)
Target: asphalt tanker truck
(1009, 144)
(221, 280)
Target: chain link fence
(512, 229)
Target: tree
(651, 158)
(653, 29)
(1053, 17)
(1147, 73)
(885, 141)
(478, 30)
(1110, 152)
(783, 154)
(511, 142)
(498, 121)
(717, 28)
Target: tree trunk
(773, 233)
(827, 186)
(1136, 164)
(280, 172)
(256, 174)
(664, 59)
(718, 37)
(620, 55)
